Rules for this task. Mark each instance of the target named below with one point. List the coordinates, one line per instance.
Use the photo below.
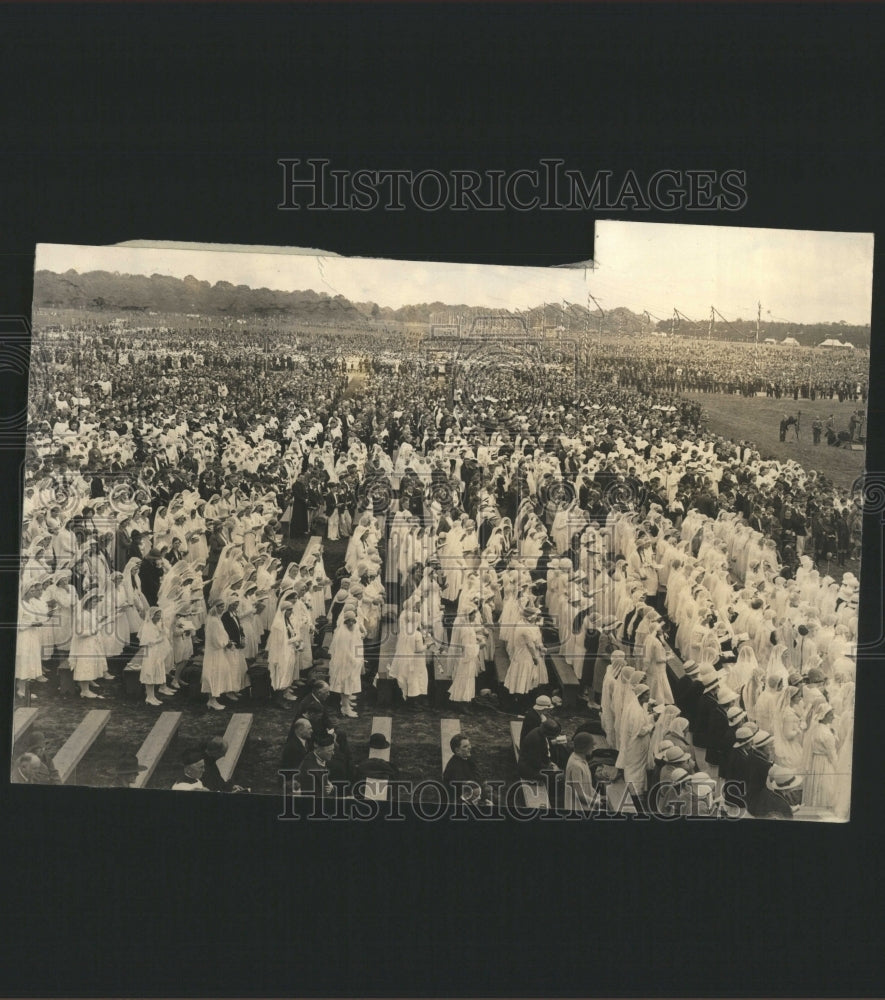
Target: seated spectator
(461, 767)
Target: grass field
(415, 736)
(757, 419)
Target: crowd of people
(687, 581)
(681, 364)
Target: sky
(798, 276)
(801, 277)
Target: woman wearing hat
(634, 725)
(527, 670)
(408, 666)
(789, 729)
(820, 759)
(34, 614)
(155, 653)
(346, 662)
(281, 647)
(87, 646)
(845, 740)
(236, 645)
(466, 656)
(216, 679)
(580, 793)
(61, 620)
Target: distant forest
(136, 293)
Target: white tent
(836, 343)
(790, 342)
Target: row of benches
(152, 749)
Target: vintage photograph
(359, 531)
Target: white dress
(216, 666)
(820, 766)
(409, 664)
(87, 649)
(655, 665)
(526, 671)
(466, 660)
(154, 649)
(346, 659)
(32, 618)
(281, 652)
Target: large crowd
(690, 584)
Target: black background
(126, 122)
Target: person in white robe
(408, 666)
(216, 677)
(634, 733)
(87, 655)
(34, 614)
(789, 731)
(346, 663)
(527, 669)
(154, 652)
(820, 760)
(466, 656)
(281, 648)
(654, 662)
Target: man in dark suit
(150, 573)
(122, 544)
(299, 744)
(313, 706)
(231, 622)
(313, 774)
(535, 755)
(461, 767)
(543, 708)
(541, 761)
(299, 525)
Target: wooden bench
(377, 789)
(235, 738)
(534, 796)
(156, 744)
(569, 684)
(447, 729)
(22, 720)
(82, 738)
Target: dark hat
(215, 748)
(815, 676)
(192, 756)
(551, 726)
(128, 763)
(323, 740)
(378, 741)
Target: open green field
(757, 420)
